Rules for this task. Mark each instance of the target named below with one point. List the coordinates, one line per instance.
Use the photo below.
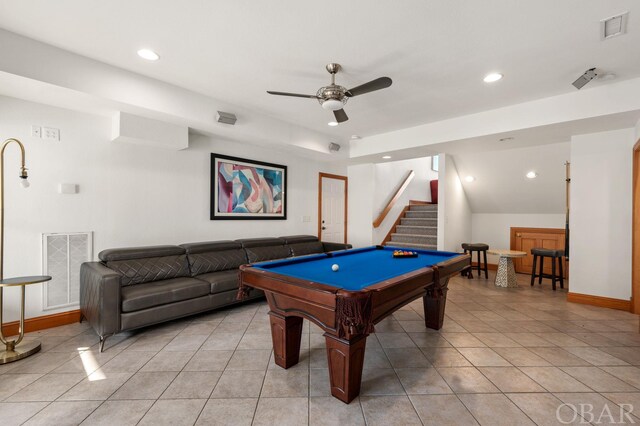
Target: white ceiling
(435, 51)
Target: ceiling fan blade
(373, 85)
(297, 95)
(340, 115)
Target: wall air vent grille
(62, 255)
(613, 26)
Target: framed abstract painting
(247, 189)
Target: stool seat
(475, 246)
(478, 248)
(547, 252)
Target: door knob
(518, 235)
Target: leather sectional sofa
(135, 287)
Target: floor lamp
(13, 349)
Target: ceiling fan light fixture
(334, 97)
(332, 104)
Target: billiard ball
(335, 267)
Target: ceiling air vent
(613, 26)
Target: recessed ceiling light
(493, 77)
(148, 54)
(333, 123)
(355, 137)
(469, 178)
(532, 175)
(386, 157)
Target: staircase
(417, 227)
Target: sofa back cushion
(301, 245)
(264, 249)
(139, 265)
(214, 256)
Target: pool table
(368, 285)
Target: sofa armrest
(335, 246)
(100, 297)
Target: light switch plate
(51, 133)
(68, 188)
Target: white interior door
(332, 217)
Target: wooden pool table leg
(346, 359)
(434, 303)
(286, 333)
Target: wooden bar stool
(553, 254)
(478, 248)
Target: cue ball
(335, 267)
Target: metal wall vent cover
(62, 255)
(614, 26)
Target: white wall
(501, 185)
(601, 213)
(360, 199)
(454, 212)
(495, 229)
(129, 195)
(388, 178)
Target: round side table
(506, 275)
(14, 349)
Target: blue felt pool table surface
(358, 268)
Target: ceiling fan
(333, 97)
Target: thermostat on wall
(68, 188)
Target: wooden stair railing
(392, 202)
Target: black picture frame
(277, 175)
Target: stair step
(417, 230)
(423, 207)
(419, 221)
(411, 245)
(421, 214)
(413, 238)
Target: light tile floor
(504, 356)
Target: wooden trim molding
(346, 201)
(396, 196)
(635, 246)
(601, 301)
(41, 323)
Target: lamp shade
(332, 104)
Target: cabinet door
(524, 239)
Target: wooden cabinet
(524, 239)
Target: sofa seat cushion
(148, 295)
(222, 280)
